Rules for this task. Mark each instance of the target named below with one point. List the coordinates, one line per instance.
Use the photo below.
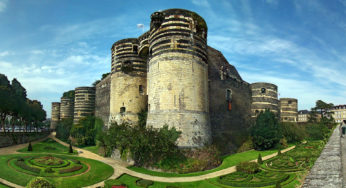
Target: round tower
(55, 115)
(84, 103)
(264, 96)
(66, 107)
(288, 110)
(128, 82)
(178, 75)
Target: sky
(53, 46)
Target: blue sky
(52, 46)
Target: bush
(259, 159)
(24, 166)
(248, 167)
(266, 132)
(39, 182)
(293, 132)
(68, 170)
(144, 183)
(29, 147)
(70, 149)
(317, 131)
(48, 170)
(63, 129)
(75, 161)
(86, 130)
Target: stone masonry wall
(288, 109)
(102, 99)
(229, 127)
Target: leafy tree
(70, 148)
(266, 132)
(312, 116)
(63, 129)
(293, 132)
(323, 106)
(69, 94)
(86, 130)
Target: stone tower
(84, 103)
(128, 82)
(66, 107)
(178, 75)
(264, 96)
(55, 115)
(288, 110)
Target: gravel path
(120, 166)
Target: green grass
(3, 186)
(94, 149)
(130, 181)
(228, 161)
(98, 172)
(48, 146)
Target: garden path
(327, 170)
(120, 166)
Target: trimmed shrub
(278, 185)
(73, 169)
(279, 152)
(29, 147)
(39, 182)
(70, 148)
(259, 159)
(49, 170)
(248, 167)
(75, 161)
(144, 183)
(24, 166)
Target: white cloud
(3, 5)
(5, 53)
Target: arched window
(135, 49)
(228, 95)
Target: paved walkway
(120, 166)
(327, 170)
(343, 160)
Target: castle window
(150, 52)
(228, 95)
(135, 49)
(140, 88)
(289, 102)
(263, 90)
(122, 109)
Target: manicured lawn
(228, 161)
(130, 181)
(98, 172)
(3, 186)
(47, 146)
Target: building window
(140, 89)
(135, 49)
(289, 102)
(122, 109)
(228, 95)
(263, 90)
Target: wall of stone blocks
(102, 99)
(288, 109)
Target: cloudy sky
(52, 46)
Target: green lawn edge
(228, 161)
(98, 172)
(48, 142)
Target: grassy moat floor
(68, 170)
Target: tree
(259, 159)
(70, 148)
(266, 132)
(323, 106)
(63, 129)
(86, 130)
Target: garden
(54, 164)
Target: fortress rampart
(55, 114)
(84, 103)
(264, 96)
(66, 107)
(288, 109)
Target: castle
(171, 72)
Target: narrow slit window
(122, 109)
(135, 49)
(140, 89)
(263, 90)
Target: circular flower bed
(48, 166)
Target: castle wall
(102, 99)
(128, 82)
(264, 96)
(229, 123)
(84, 103)
(66, 108)
(55, 115)
(288, 110)
(178, 76)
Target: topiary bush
(248, 167)
(40, 182)
(259, 159)
(29, 147)
(144, 183)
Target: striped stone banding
(84, 103)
